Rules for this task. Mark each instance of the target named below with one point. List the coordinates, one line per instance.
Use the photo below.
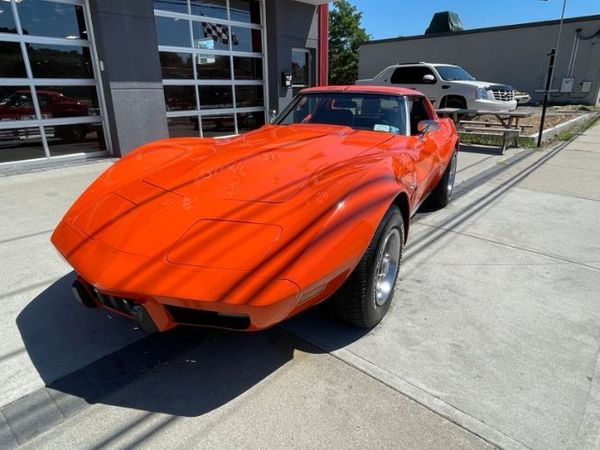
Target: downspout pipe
(323, 72)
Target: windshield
(454, 73)
(374, 112)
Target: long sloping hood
(269, 166)
(234, 190)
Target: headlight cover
(482, 93)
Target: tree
(345, 36)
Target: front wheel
(442, 193)
(366, 296)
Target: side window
(411, 75)
(418, 112)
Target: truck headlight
(482, 93)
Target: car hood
(269, 166)
(245, 187)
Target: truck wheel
(366, 295)
(454, 101)
(442, 193)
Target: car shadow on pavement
(494, 150)
(184, 372)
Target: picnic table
(507, 123)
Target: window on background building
(49, 98)
(301, 69)
(212, 49)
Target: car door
(419, 78)
(424, 149)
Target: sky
(393, 18)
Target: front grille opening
(187, 316)
(503, 95)
(119, 304)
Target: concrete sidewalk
(494, 330)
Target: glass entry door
(50, 103)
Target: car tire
(454, 101)
(365, 297)
(441, 195)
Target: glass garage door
(49, 99)
(212, 60)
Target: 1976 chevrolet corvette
(244, 232)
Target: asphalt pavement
(492, 338)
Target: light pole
(550, 75)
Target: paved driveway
(494, 333)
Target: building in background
(94, 77)
(515, 55)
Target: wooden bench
(507, 134)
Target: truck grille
(503, 95)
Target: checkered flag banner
(217, 32)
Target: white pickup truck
(447, 86)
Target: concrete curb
(44, 409)
(550, 133)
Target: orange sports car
(244, 232)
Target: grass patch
(567, 135)
(524, 142)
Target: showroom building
(86, 78)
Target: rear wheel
(442, 193)
(366, 296)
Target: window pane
(21, 143)
(176, 65)
(210, 8)
(215, 97)
(7, 21)
(80, 138)
(40, 18)
(11, 60)
(211, 36)
(245, 10)
(60, 61)
(250, 121)
(300, 74)
(246, 40)
(410, 75)
(212, 67)
(247, 96)
(218, 126)
(183, 127)
(180, 98)
(67, 101)
(179, 6)
(16, 103)
(175, 32)
(247, 68)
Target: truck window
(410, 75)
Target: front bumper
(137, 286)
(492, 105)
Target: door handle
(446, 86)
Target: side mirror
(272, 115)
(429, 79)
(427, 126)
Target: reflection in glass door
(50, 104)
(213, 65)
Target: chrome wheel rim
(386, 270)
(451, 175)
